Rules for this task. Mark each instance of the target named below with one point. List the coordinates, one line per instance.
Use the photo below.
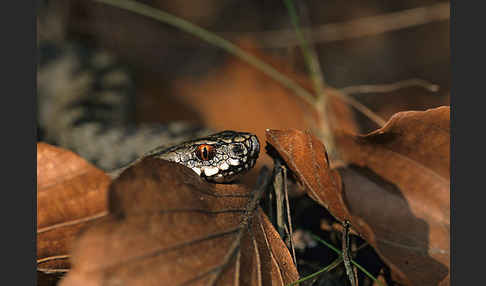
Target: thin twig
(289, 218)
(389, 87)
(380, 88)
(358, 28)
(350, 272)
(361, 108)
(278, 182)
(50, 258)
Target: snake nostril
(238, 150)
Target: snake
(219, 157)
(85, 100)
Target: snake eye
(205, 152)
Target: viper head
(220, 157)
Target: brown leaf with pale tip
(167, 226)
(71, 193)
(401, 201)
(306, 157)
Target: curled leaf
(306, 157)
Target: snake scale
(85, 101)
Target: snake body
(85, 100)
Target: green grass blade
(309, 53)
(352, 261)
(332, 247)
(333, 264)
(312, 62)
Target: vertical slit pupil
(205, 153)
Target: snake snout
(242, 150)
(255, 146)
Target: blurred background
(357, 42)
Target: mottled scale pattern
(234, 153)
(85, 104)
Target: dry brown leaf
(397, 193)
(410, 216)
(70, 194)
(414, 244)
(306, 157)
(167, 226)
(421, 136)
